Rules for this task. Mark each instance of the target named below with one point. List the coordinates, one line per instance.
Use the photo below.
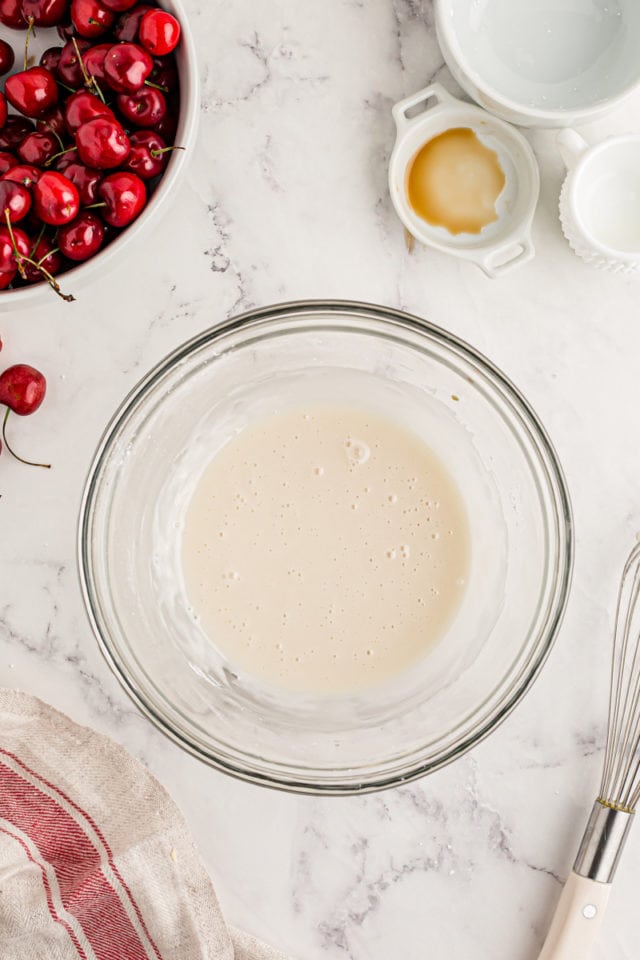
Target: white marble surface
(286, 198)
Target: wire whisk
(584, 898)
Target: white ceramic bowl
(77, 278)
(507, 241)
(542, 64)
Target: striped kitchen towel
(96, 861)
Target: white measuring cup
(500, 245)
(600, 200)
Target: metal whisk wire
(584, 898)
(620, 787)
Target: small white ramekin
(500, 245)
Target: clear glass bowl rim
(517, 403)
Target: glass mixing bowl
(146, 468)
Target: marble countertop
(286, 198)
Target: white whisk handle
(577, 919)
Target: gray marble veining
(285, 198)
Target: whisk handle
(577, 919)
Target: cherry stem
(158, 151)
(38, 239)
(56, 135)
(30, 30)
(94, 206)
(89, 79)
(21, 259)
(29, 463)
(156, 86)
(96, 86)
(55, 156)
(49, 253)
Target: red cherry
(32, 92)
(7, 161)
(37, 148)
(14, 132)
(102, 143)
(52, 122)
(51, 58)
(148, 156)
(119, 5)
(94, 60)
(11, 14)
(15, 198)
(86, 181)
(46, 254)
(125, 195)
(23, 173)
(90, 18)
(82, 238)
(56, 199)
(8, 260)
(83, 106)
(127, 66)
(7, 57)
(126, 28)
(165, 73)
(66, 30)
(167, 127)
(145, 108)
(159, 32)
(22, 389)
(45, 13)
(3, 110)
(6, 276)
(69, 66)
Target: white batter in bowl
(299, 357)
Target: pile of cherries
(22, 390)
(95, 122)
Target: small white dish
(507, 241)
(542, 64)
(600, 200)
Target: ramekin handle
(571, 146)
(429, 98)
(577, 919)
(501, 259)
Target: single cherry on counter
(22, 389)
